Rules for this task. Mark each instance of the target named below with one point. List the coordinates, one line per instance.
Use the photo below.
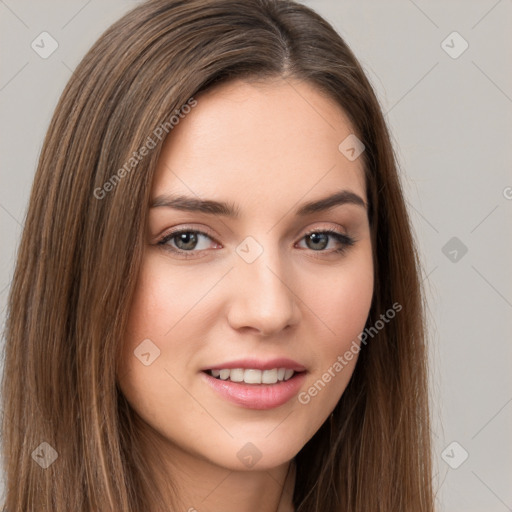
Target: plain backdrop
(442, 72)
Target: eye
(319, 240)
(187, 242)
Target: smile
(250, 395)
(253, 376)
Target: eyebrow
(191, 204)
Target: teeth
(269, 376)
(236, 375)
(288, 374)
(253, 376)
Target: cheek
(159, 312)
(342, 299)
(165, 302)
(342, 310)
(163, 319)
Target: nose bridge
(262, 297)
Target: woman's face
(254, 295)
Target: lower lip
(257, 396)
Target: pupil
(316, 237)
(183, 238)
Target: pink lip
(257, 364)
(256, 396)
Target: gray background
(451, 123)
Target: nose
(263, 298)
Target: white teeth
(269, 376)
(237, 375)
(253, 376)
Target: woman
(216, 303)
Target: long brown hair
(82, 245)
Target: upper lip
(259, 364)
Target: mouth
(256, 388)
(253, 375)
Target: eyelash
(345, 241)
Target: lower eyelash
(344, 240)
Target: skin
(267, 147)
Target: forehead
(259, 143)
